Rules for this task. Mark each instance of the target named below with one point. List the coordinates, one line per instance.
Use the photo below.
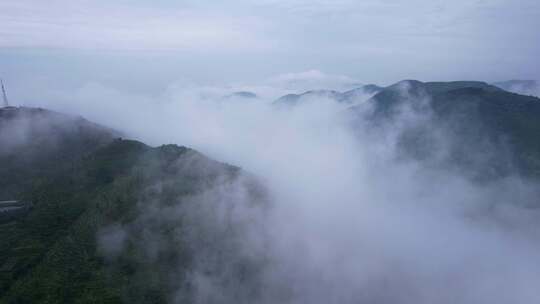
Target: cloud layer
(384, 41)
(349, 221)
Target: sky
(145, 46)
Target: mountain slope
(348, 97)
(294, 99)
(243, 94)
(472, 126)
(525, 87)
(37, 142)
(91, 234)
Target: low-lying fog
(350, 221)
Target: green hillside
(112, 220)
(61, 251)
(473, 127)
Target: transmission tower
(4, 95)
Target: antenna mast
(4, 95)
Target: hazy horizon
(131, 45)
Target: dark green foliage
(54, 254)
(37, 145)
(480, 129)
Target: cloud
(383, 41)
(103, 25)
(350, 220)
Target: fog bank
(349, 220)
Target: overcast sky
(148, 44)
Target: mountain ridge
(59, 250)
(475, 113)
(346, 97)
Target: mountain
(348, 97)
(470, 126)
(242, 95)
(524, 87)
(295, 99)
(416, 92)
(359, 94)
(36, 142)
(112, 220)
(372, 88)
(109, 220)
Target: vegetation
(53, 255)
(479, 129)
(115, 220)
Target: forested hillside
(87, 190)
(478, 129)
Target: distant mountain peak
(348, 97)
(242, 94)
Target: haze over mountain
(241, 95)
(476, 125)
(524, 87)
(271, 151)
(348, 97)
(347, 201)
(87, 238)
